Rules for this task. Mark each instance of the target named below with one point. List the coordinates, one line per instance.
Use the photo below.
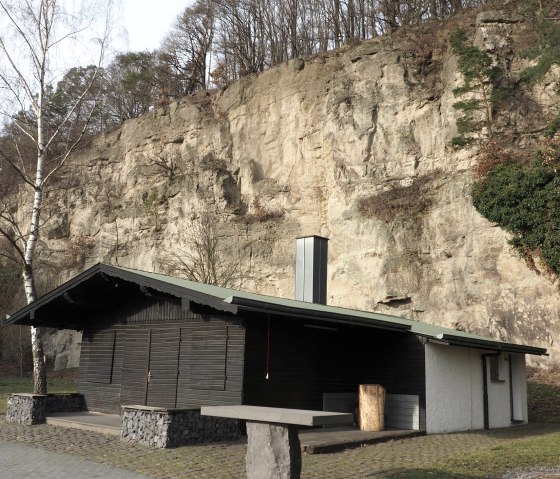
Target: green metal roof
(232, 301)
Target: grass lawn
(58, 382)
(543, 402)
(539, 451)
(544, 406)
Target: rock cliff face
(354, 146)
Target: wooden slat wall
(210, 373)
(305, 362)
(133, 328)
(203, 358)
(104, 396)
(163, 362)
(102, 345)
(135, 366)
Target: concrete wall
(454, 391)
(499, 402)
(519, 388)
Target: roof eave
(25, 316)
(28, 311)
(272, 308)
(177, 291)
(453, 340)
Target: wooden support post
(372, 407)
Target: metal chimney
(311, 269)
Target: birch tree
(35, 37)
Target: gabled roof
(233, 301)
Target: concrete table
(273, 448)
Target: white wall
(519, 387)
(453, 389)
(454, 392)
(499, 408)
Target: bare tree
(208, 257)
(188, 47)
(32, 40)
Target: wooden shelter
(156, 340)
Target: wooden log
(372, 407)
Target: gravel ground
(534, 473)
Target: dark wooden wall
(194, 360)
(198, 359)
(303, 363)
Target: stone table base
(273, 451)
(273, 448)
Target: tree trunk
(39, 367)
(372, 407)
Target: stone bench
(273, 447)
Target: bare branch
(69, 150)
(3, 254)
(19, 171)
(12, 242)
(71, 112)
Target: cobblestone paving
(227, 461)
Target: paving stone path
(18, 461)
(227, 460)
(535, 473)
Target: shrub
(525, 201)
(546, 53)
(483, 83)
(398, 202)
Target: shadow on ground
(425, 474)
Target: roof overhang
(29, 315)
(487, 344)
(312, 314)
(102, 286)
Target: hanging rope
(268, 350)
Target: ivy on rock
(524, 199)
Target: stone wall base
(26, 408)
(166, 428)
(32, 408)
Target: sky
(148, 21)
(138, 25)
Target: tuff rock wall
(295, 151)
